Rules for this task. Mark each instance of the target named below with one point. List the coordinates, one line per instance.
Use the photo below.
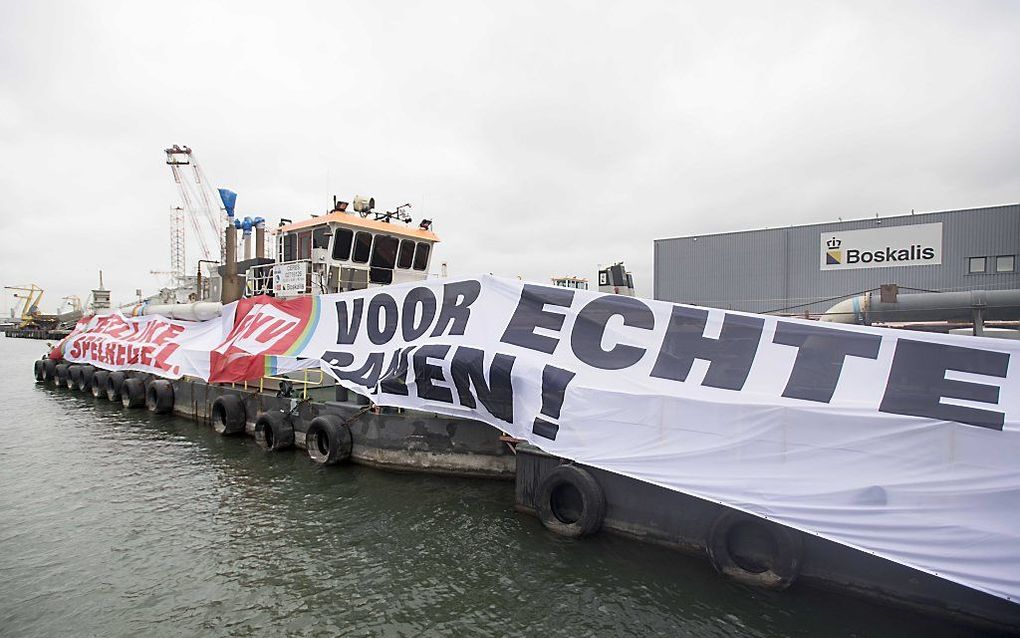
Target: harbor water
(124, 523)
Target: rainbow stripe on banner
(272, 366)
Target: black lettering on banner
(530, 314)
(425, 298)
(496, 393)
(731, 355)
(382, 334)
(590, 327)
(820, 356)
(554, 389)
(367, 375)
(394, 380)
(457, 299)
(426, 374)
(347, 327)
(917, 382)
(337, 359)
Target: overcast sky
(542, 138)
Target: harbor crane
(199, 206)
(30, 295)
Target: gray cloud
(542, 139)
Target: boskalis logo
(833, 256)
(908, 245)
(259, 329)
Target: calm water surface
(123, 523)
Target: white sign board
(290, 279)
(913, 245)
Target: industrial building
(806, 269)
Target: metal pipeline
(197, 311)
(971, 306)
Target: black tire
(73, 375)
(755, 551)
(328, 440)
(228, 416)
(49, 370)
(132, 393)
(39, 368)
(570, 502)
(85, 378)
(159, 396)
(99, 378)
(60, 375)
(273, 431)
(114, 383)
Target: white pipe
(197, 311)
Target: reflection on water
(122, 523)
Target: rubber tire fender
(274, 431)
(114, 383)
(785, 563)
(228, 415)
(60, 375)
(73, 376)
(593, 500)
(99, 378)
(39, 368)
(132, 393)
(49, 370)
(85, 378)
(159, 396)
(328, 440)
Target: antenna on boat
(399, 214)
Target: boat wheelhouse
(343, 251)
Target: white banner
(902, 444)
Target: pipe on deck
(975, 306)
(197, 311)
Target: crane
(198, 208)
(31, 296)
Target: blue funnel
(229, 198)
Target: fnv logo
(261, 327)
(833, 256)
(259, 330)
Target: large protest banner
(902, 444)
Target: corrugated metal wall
(772, 269)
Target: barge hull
(653, 514)
(403, 440)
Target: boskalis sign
(913, 245)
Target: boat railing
(284, 279)
(305, 277)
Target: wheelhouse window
(305, 245)
(342, 240)
(384, 258)
(362, 247)
(289, 247)
(320, 237)
(406, 253)
(421, 256)
(1005, 263)
(976, 264)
